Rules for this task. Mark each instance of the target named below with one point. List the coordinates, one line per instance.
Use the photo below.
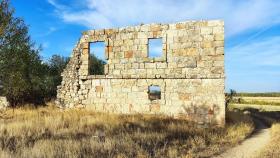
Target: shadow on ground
(262, 119)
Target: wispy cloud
(49, 31)
(57, 5)
(239, 15)
(254, 66)
(261, 52)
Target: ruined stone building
(189, 74)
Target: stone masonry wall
(190, 72)
(3, 102)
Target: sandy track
(251, 146)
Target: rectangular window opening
(97, 58)
(154, 92)
(155, 48)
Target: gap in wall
(154, 92)
(97, 58)
(155, 48)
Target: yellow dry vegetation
(51, 132)
(265, 99)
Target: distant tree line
(232, 93)
(24, 76)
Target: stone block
(185, 96)
(219, 37)
(180, 26)
(154, 107)
(128, 54)
(98, 88)
(219, 50)
(206, 30)
(150, 65)
(207, 44)
(161, 65)
(215, 23)
(218, 30)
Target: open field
(264, 99)
(271, 94)
(50, 132)
(254, 106)
(261, 103)
(274, 101)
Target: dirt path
(251, 146)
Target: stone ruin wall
(3, 102)
(190, 72)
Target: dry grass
(265, 99)
(273, 149)
(257, 100)
(50, 132)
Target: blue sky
(252, 29)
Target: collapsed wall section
(190, 71)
